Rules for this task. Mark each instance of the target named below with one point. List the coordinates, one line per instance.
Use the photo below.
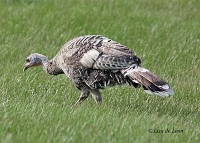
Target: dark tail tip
(161, 90)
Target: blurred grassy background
(36, 107)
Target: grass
(36, 107)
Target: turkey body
(93, 62)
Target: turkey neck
(50, 66)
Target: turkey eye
(27, 60)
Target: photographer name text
(176, 131)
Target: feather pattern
(94, 62)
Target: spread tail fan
(151, 83)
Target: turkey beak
(25, 67)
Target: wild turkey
(93, 62)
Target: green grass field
(36, 107)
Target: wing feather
(108, 54)
(98, 52)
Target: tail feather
(151, 83)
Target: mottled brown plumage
(93, 62)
